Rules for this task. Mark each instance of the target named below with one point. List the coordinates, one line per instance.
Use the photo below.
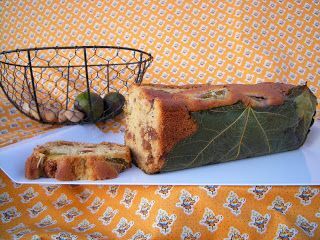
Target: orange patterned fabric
(192, 42)
(158, 212)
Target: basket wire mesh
(43, 83)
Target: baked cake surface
(177, 127)
(67, 161)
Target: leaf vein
(214, 138)
(242, 135)
(262, 129)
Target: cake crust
(195, 99)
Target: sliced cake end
(65, 160)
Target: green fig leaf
(236, 132)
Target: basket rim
(149, 59)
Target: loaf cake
(69, 161)
(177, 127)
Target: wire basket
(45, 83)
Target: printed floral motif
(9, 214)
(113, 191)
(306, 194)
(212, 190)
(285, 233)
(318, 214)
(234, 203)
(36, 209)
(122, 227)
(20, 234)
(164, 221)
(46, 222)
(108, 215)
(28, 195)
(5, 198)
(62, 201)
(144, 208)
(16, 228)
(187, 234)
(95, 205)
(279, 205)
(210, 220)
(71, 214)
(84, 196)
(18, 231)
(187, 202)
(128, 197)
(36, 237)
(234, 234)
(96, 236)
(259, 222)
(306, 226)
(140, 235)
(50, 189)
(64, 236)
(164, 191)
(83, 226)
(259, 192)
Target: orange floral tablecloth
(192, 42)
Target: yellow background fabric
(192, 42)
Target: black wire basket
(71, 85)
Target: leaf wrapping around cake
(235, 132)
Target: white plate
(299, 167)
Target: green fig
(114, 102)
(83, 104)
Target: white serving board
(299, 167)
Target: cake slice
(69, 161)
(178, 127)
